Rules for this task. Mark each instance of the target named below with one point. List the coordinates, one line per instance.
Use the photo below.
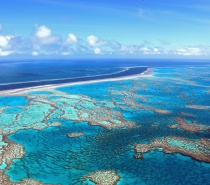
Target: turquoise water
(52, 157)
(13, 110)
(40, 92)
(13, 101)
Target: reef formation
(189, 127)
(106, 177)
(75, 134)
(198, 150)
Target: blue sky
(106, 28)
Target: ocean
(30, 73)
(149, 130)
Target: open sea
(111, 117)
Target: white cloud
(151, 51)
(156, 51)
(145, 50)
(43, 31)
(189, 51)
(44, 36)
(72, 38)
(3, 41)
(97, 51)
(195, 51)
(5, 53)
(48, 40)
(129, 49)
(92, 40)
(35, 53)
(44, 42)
(66, 53)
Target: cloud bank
(43, 42)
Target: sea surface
(112, 116)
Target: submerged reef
(75, 134)
(106, 177)
(198, 107)
(187, 114)
(41, 110)
(11, 151)
(4, 180)
(161, 111)
(189, 127)
(198, 150)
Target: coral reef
(193, 127)
(198, 150)
(106, 177)
(75, 134)
(41, 109)
(198, 107)
(11, 151)
(4, 180)
(161, 111)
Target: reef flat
(198, 150)
(4, 179)
(189, 127)
(10, 152)
(103, 177)
(75, 134)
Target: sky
(105, 28)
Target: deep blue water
(128, 72)
(20, 74)
(52, 157)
